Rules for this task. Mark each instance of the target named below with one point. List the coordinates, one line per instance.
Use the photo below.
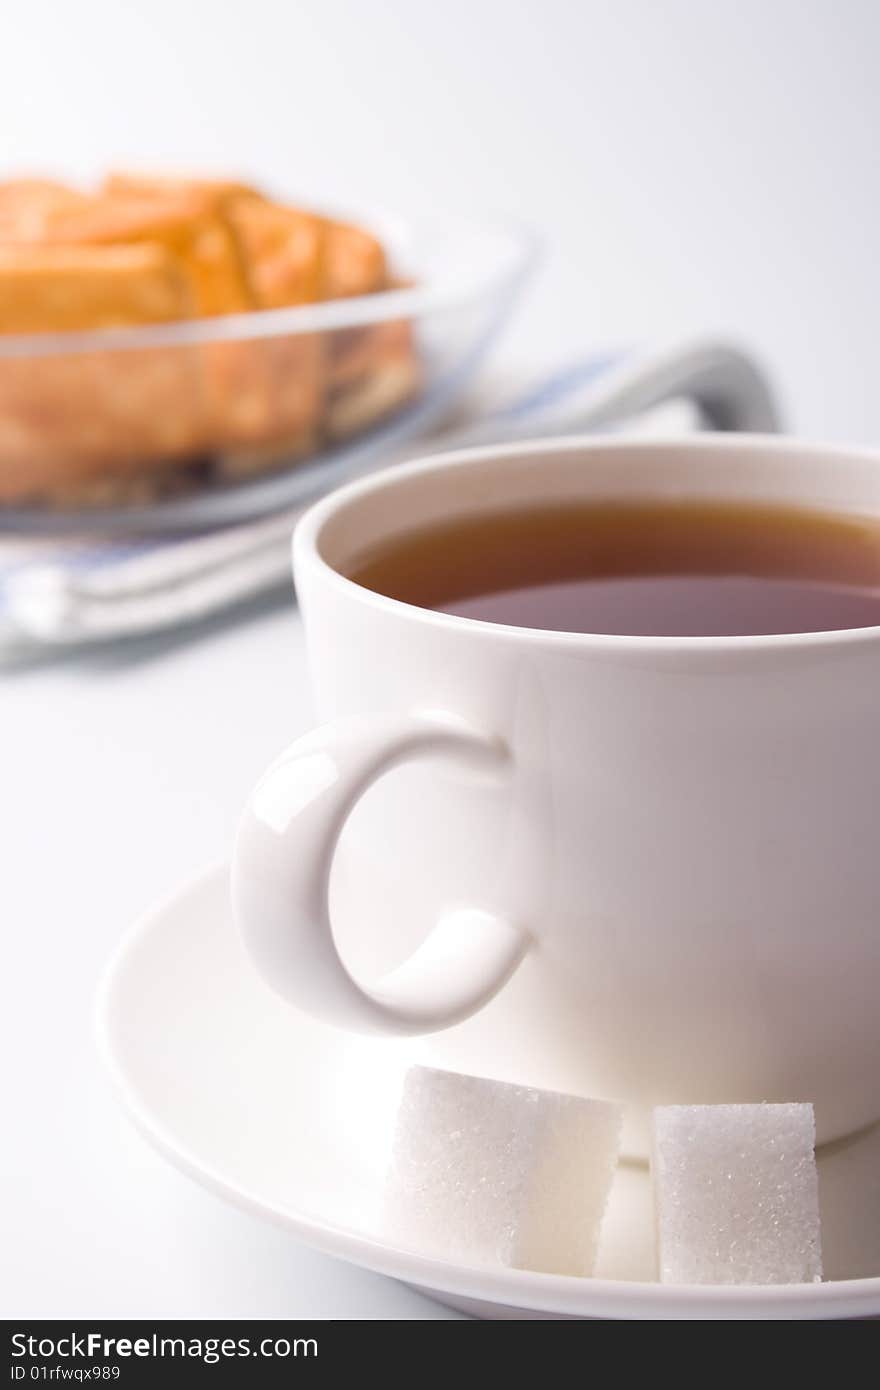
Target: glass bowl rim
(519, 250)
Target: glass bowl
(189, 425)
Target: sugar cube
(487, 1171)
(736, 1194)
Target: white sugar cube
(736, 1194)
(486, 1171)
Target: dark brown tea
(641, 568)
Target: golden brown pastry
(57, 289)
(105, 425)
(268, 389)
(374, 370)
(27, 204)
(65, 417)
(185, 223)
(293, 256)
(239, 394)
(354, 262)
(147, 250)
(218, 191)
(281, 249)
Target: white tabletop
(690, 166)
(121, 778)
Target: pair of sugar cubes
(499, 1173)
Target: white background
(691, 165)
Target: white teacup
(671, 844)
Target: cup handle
(281, 871)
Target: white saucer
(291, 1120)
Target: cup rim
(307, 553)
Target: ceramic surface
(292, 1120)
(667, 846)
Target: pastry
(354, 262)
(57, 289)
(373, 370)
(27, 204)
(281, 250)
(218, 191)
(185, 223)
(109, 423)
(66, 416)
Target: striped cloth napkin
(58, 593)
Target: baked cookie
(147, 250)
